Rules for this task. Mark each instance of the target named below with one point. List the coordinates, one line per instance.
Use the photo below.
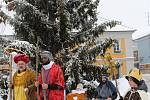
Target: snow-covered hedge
(23, 46)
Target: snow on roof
(142, 32)
(6, 29)
(120, 28)
(141, 36)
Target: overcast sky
(132, 13)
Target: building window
(135, 53)
(117, 47)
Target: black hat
(133, 79)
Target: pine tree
(67, 28)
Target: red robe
(55, 77)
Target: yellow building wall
(121, 55)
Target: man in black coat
(106, 89)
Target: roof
(121, 28)
(146, 35)
(140, 33)
(6, 29)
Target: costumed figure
(23, 79)
(138, 86)
(51, 79)
(106, 89)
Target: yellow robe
(21, 81)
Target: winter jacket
(132, 96)
(136, 95)
(106, 90)
(139, 94)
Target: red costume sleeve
(60, 77)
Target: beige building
(122, 50)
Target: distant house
(136, 54)
(143, 45)
(6, 35)
(4, 40)
(122, 51)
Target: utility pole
(148, 20)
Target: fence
(145, 68)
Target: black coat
(106, 90)
(143, 86)
(132, 96)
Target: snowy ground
(146, 77)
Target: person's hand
(109, 99)
(36, 84)
(45, 86)
(10, 86)
(26, 90)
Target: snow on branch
(21, 7)
(23, 46)
(94, 32)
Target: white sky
(132, 13)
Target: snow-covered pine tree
(67, 28)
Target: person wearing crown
(138, 89)
(23, 79)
